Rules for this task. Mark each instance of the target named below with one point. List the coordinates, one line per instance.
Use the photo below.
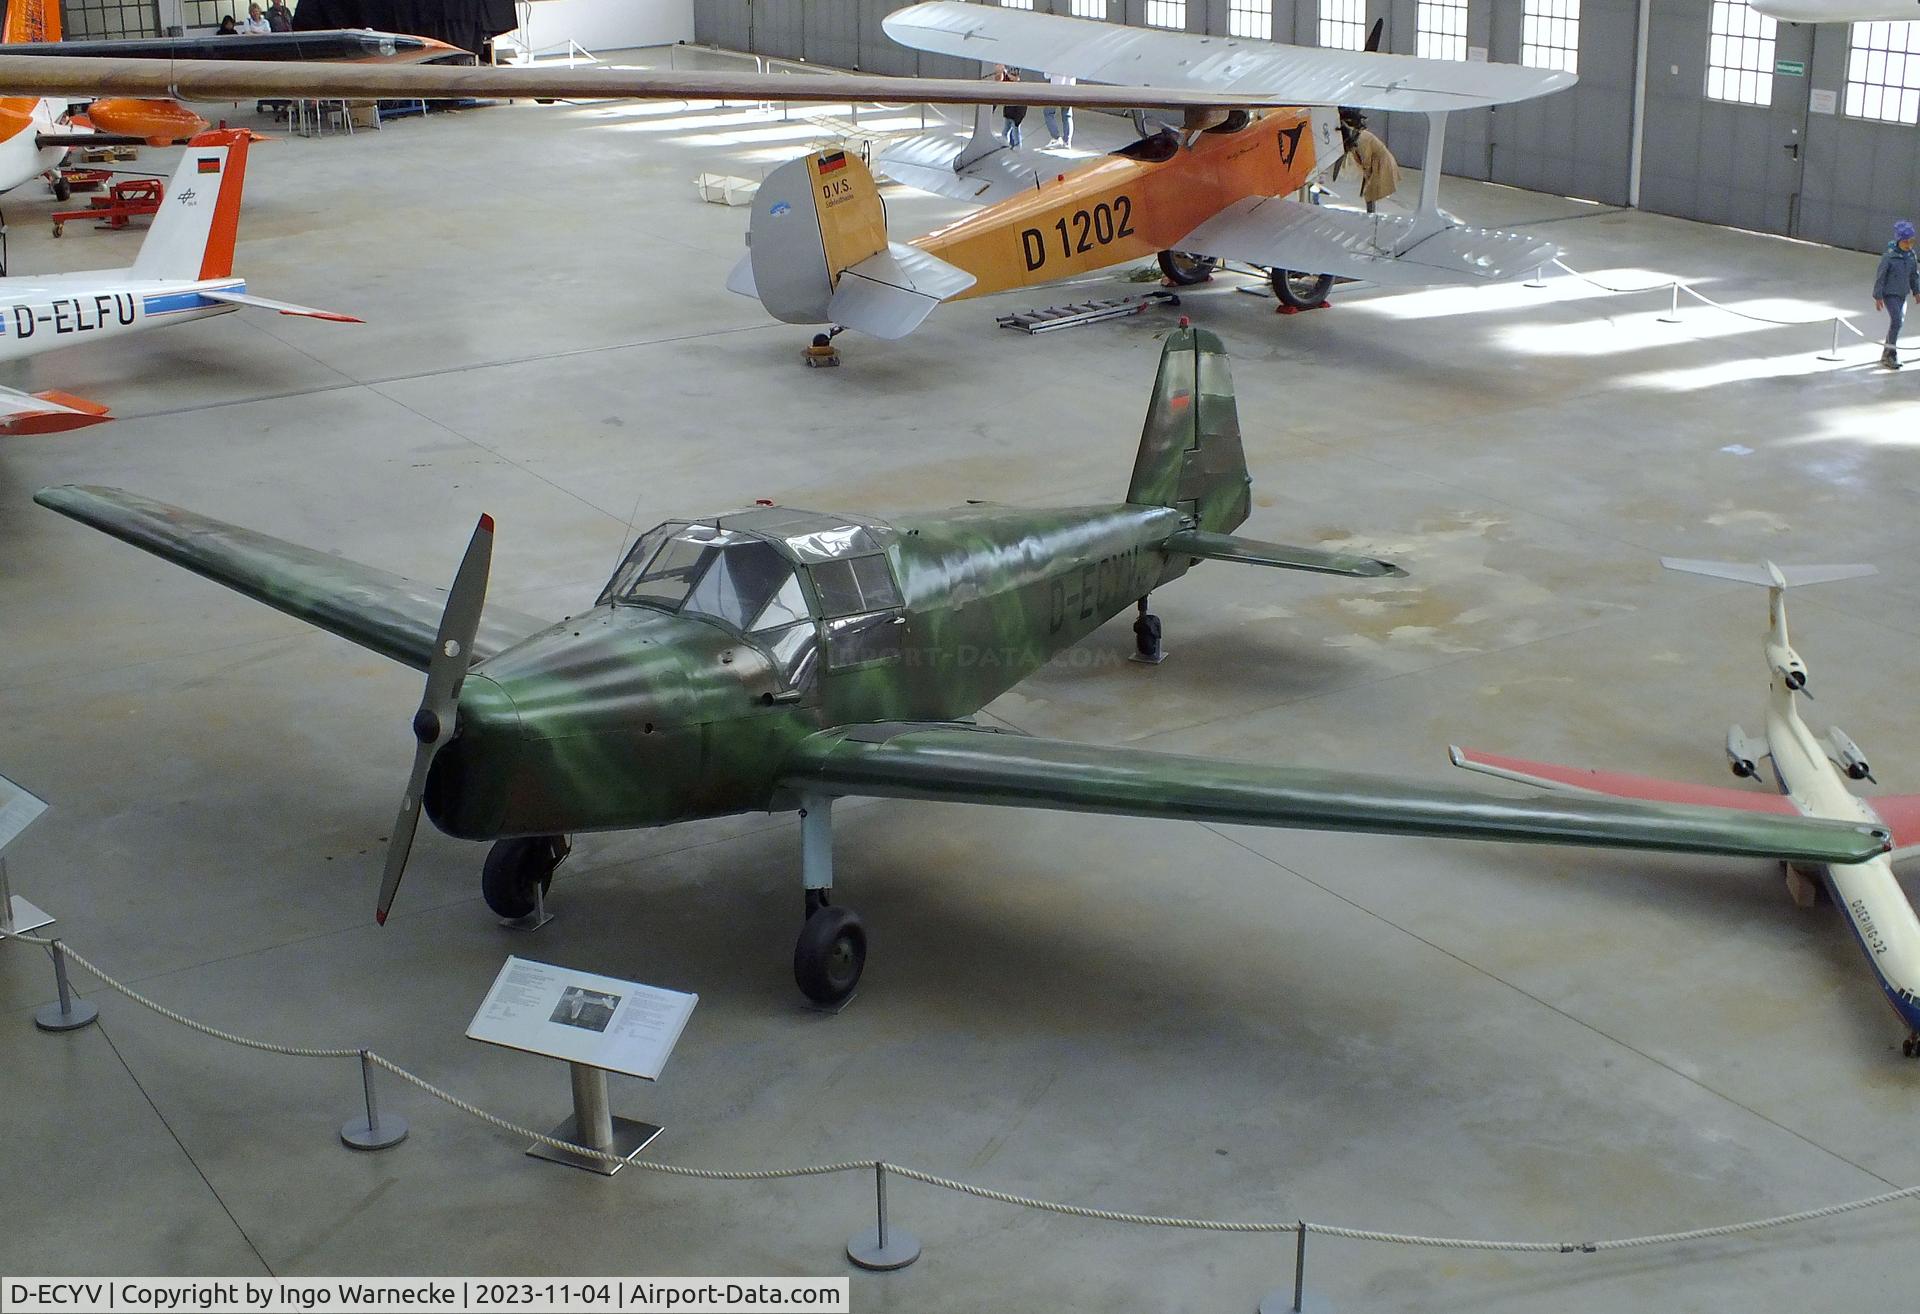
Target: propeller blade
(404, 826)
(1373, 37)
(433, 723)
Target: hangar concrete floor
(1233, 1023)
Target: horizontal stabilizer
(283, 307)
(1252, 552)
(25, 413)
(1766, 574)
(926, 163)
(957, 765)
(1392, 250)
(891, 292)
(392, 616)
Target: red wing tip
(330, 316)
(486, 522)
(380, 917)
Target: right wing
(46, 412)
(959, 764)
(1132, 56)
(392, 616)
(1279, 232)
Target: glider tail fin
(1190, 454)
(192, 235)
(31, 20)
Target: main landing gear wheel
(1301, 291)
(830, 953)
(1183, 270)
(515, 868)
(1911, 1045)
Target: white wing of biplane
(1390, 250)
(1094, 51)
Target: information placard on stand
(18, 810)
(597, 1024)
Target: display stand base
(534, 920)
(27, 918)
(901, 1249)
(1281, 1302)
(629, 1138)
(1148, 661)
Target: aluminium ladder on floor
(1084, 312)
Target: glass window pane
(834, 583)
(859, 639)
(793, 652)
(785, 607)
(737, 585)
(876, 582)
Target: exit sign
(1790, 68)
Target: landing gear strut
(1146, 637)
(1911, 1045)
(517, 868)
(832, 949)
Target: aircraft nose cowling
(469, 789)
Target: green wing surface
(953, 764)
(394, 617)
(1209, 546)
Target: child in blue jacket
(1898, 275)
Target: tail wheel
(1184, 270)
(1301, 291)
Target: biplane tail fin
(1190, 453)
(31, 20)
(817, 252)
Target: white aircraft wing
(46, 412)
(1094, 51)
(927, 163)
(1395, 250)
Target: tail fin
(31, 20)
(1190, 454)
(193, 231)
(813, 218)
(1766, 574)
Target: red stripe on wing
(1619, 784)
(1901, 812)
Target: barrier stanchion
(879, 1248)
(1673, 310)
(1539, 278)
(70, 1013)
(372, 1132)
(1832, 352)
(1282, 1301)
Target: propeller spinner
(433, 723)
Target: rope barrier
(967, 1188)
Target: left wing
(282, 307)
(931, 164)
(958, 764)
(1619, 784)
(1281, 233)
(1132, 56)
(46, 412)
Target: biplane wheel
(1301, 291)
(62, 190)
(1185, 270)
(830, 954)
(516, 867)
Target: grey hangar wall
(1779, 169)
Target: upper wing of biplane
(962, 764)
(386, 613)
(1139, 56)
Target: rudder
(31, 20)
(813, 219)
(193, 232)
(1190, 454)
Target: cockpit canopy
(768, 573)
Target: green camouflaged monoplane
(775, 659)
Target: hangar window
(1441, 29)
(208, 13)
(1343, 24)
(1740, 54)
(1550, 35)
(1089, 8)
(1167, 13)
(110, 18)
(1251, 18)
(1016, 4)
(1883, 72)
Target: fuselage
(22, 120)
(61, 310)
(631, 716)
(1126, 207)
(1867, 893)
